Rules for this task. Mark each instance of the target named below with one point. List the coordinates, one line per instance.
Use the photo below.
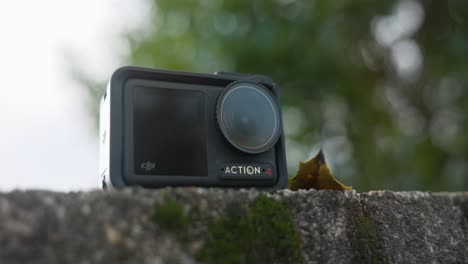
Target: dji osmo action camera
(166, 128)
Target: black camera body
(165, 128)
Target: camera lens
(248, 117)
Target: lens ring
(248, 116)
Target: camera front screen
(169, 132)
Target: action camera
(166, 128)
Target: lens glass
(249, 117)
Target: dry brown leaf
(314, 174)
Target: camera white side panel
(104, 137)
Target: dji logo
(148, 165)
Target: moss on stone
(264, 233)
(367, 230)
(170, 215)
(366, 242)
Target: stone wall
(191, 225)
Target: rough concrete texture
(334, 226)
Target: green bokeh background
(381, 85)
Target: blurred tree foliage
(381, 85)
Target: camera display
(169, 128)
(165, 128)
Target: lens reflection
(249, 117)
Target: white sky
(46, 141)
